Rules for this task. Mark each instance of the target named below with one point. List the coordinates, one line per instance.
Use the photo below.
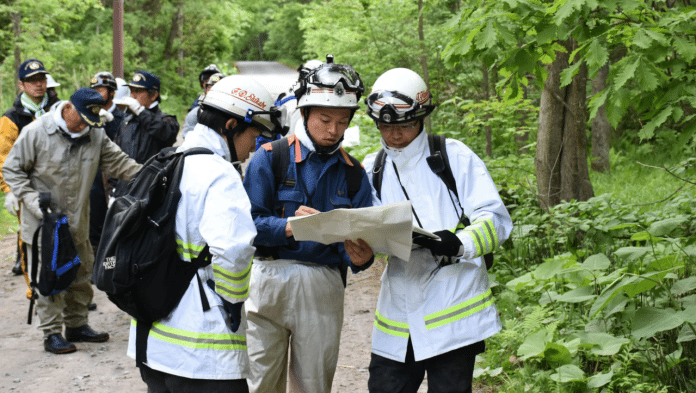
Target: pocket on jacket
(288, 202)
(340, 202)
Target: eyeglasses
(406, 127)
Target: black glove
(234, 310)
(448, 245)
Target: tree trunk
(561, 157)
(423, 59)
(487, 97)
(575, 176)
(601, 129)
(547, 161)
(169, 50)
(17, 29)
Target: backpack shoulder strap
(353, 174)
(437, 144)
(280, 160)
(378, 172)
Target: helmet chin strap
(229, 135)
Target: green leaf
(597, 101)
(599, 380)
(548, 269)
(488, 36)
(657, 36)
(577, 295)
(568, 73)
(625, 72)
(520, 282)
(647, 80)
(534, 344)
(632, 253)
(596, 262)
(616, 305)
(597, 55)
(649, 321)
(547, 34)
(685, 48)
(683, 286)
(689, 314)
(665, 227)
(642, 40)
(686, 334)
(604, 344)
(557, 353)
(568, 373)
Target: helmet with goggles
(399, 96)
(206, 73)
(215, 78)
(330, 85)
(105, 79)
(248, 101)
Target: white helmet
(330, 85)
(50, 82)
(247, 100)
(398, 96)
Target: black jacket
(144, 135)
(114, 125)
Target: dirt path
(104, 367)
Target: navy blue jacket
(322, 186)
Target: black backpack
(59, 260)
(280, 162)
(440, 165)
(137, 263)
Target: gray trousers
(70, 306)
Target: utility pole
(117, 63)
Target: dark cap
(31, 67)
(88, 102)
(145, 80)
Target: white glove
(11, 203)
(105, 116)
(132, 104)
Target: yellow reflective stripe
(390, 327)
(459, 311)
(196, 340)
(490, 231)
(188, 251)
(477, 239)
(231, 284)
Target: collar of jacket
(53, 126)
(203, 136)
(411, 153)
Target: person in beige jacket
(60, 153)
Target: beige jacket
(46, 159)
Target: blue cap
(145, 80)
(31, 67)
(88, 102)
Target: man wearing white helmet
(296, 290)
(193, 350)
(434, 310)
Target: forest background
(582, 109)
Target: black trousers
(450, 372)
(159, 382)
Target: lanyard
(406, 194)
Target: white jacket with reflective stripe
(452, 307)
(214, 209)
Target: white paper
(387, 229)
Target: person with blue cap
(146, 129)
(60, 153)
(32, 102)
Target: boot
(17, 269)
(55, 343)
